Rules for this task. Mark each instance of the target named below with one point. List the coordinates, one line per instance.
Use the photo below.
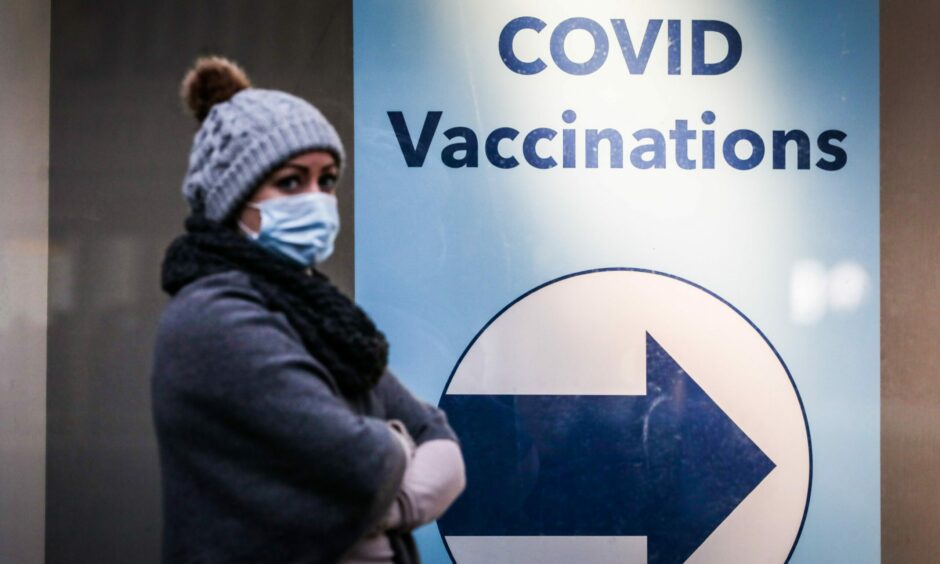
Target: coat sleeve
(235, 389)
(436, 474)
(424, 421)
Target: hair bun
(211, 80)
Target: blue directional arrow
(670, 465)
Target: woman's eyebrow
(302, 168)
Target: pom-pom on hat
(245, 133)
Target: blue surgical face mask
(301, 227)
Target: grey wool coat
(262, 458)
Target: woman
(283, 437)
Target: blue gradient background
(439, 251)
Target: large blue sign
(552, 196)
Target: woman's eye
(327, 182)
(291, 182)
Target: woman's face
(313, 171)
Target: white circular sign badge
(564, 358)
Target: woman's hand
(401, 433)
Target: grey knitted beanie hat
(245, 134)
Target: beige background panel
(910, 277)
(24, 169)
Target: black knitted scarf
(334, 329)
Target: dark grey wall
(119, 144)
